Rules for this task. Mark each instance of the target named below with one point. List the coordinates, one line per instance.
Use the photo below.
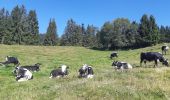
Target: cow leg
(156, 63)
(145, 63)
(141, 62)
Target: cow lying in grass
(60, 72)
(153, 56)
(23, 74)
(34, 68)
(86, 72)
(10, 60)
(121, 65)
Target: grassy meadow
(140, 83)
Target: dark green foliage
(19, 27)
(72, 35)
(2, 25)
(51, 36)
(148, 30)
(121, 34)
(164, 34)
(118, 34)
(78, 35)
(104, 36)
(90, 36)
(33, 36)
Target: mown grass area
(140, 83)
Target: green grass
(140, 83)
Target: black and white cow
(121, 65)
(60, 72)
(113, 54)
(33, 68)
(153, 56)
(164, 49)
(10, 60)
(23, 74)
(86, 72)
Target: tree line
(22, 27)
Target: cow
(113, 54)
(23, 74)
(86, 72)
(153, 56)
(10, 60)
(34, 68)
(121, 65)
(60, 72)
(165, 49)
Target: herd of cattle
(24, 73)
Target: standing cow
(164, 49)
(153, 56)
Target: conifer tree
(51, 36)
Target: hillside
(139, 83)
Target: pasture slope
(140, 83)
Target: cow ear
(67, 67)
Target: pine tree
(16, 16)
(51, 35)
(2, 25)
(149, 31)
(91, 36)
(8, 29)
(33, 35)
(104, 35)
(72, 35)
(153, 30)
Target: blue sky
(94, 12)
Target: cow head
(165, 62)
(64, 69)
(37, 66)
(114, 63)
(82, 72)
(20, 73)
(15, 71)
(85, 71)
(84, 66)
(6, 58)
